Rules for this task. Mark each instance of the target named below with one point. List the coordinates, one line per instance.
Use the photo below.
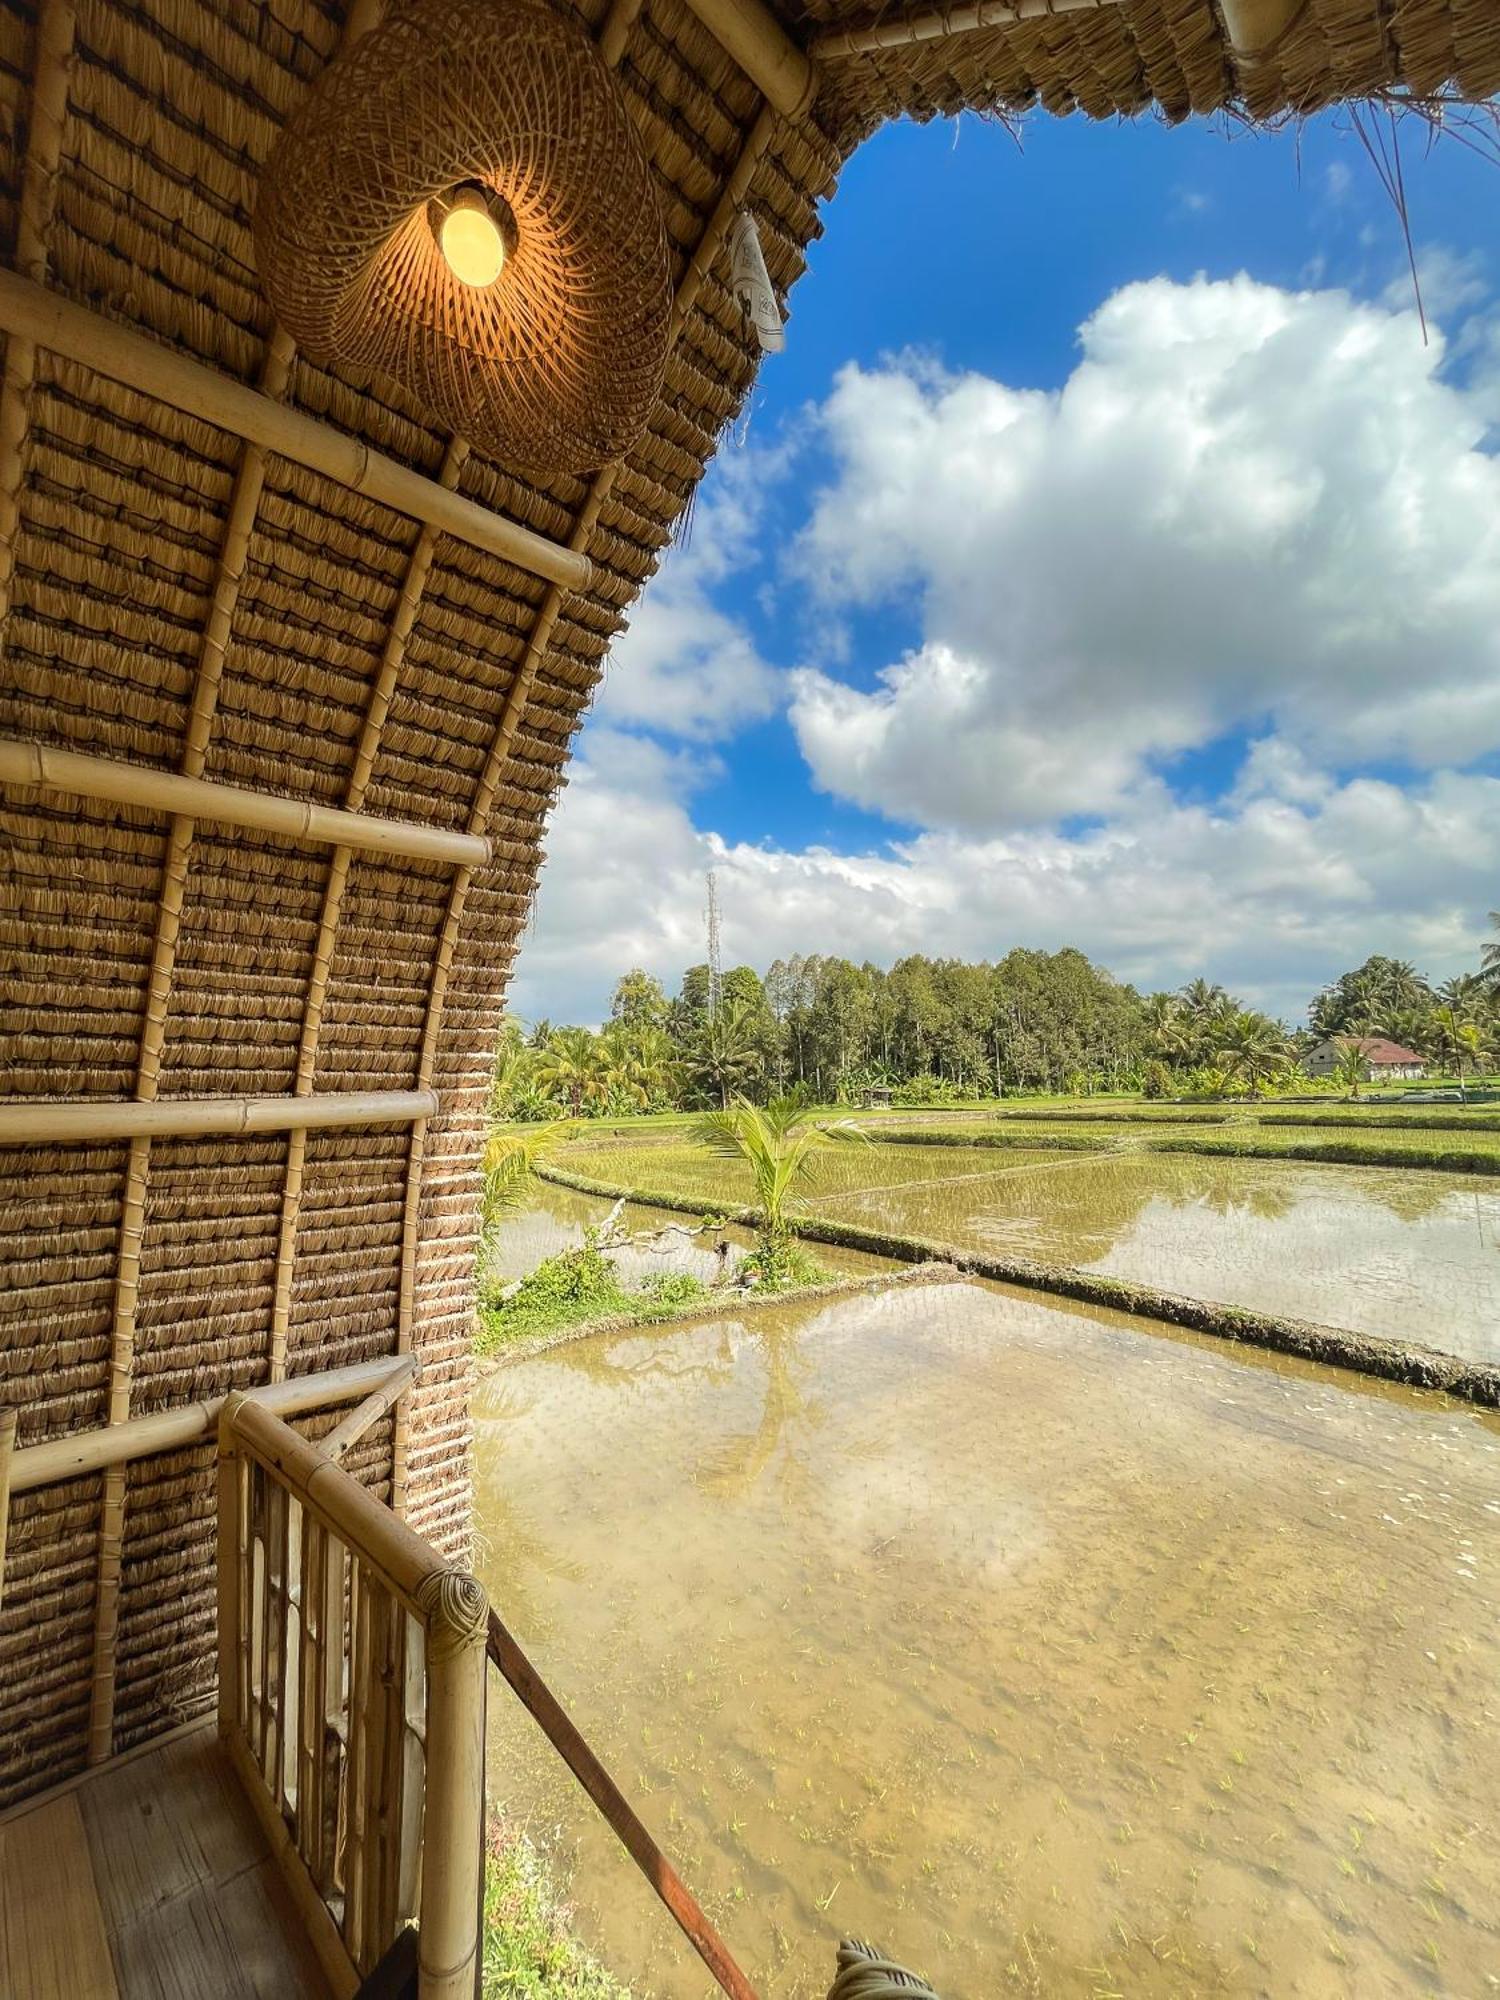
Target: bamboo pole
(55, 32)
(113, 349)
(7, 1462)
(39, 765)
(231, 1695)
(87, 1452)
(76, 1120)
(902, 30)
(748, 31)
(372, 1409)
(456, 1614)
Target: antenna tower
(715, 966)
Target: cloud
(1452, 281)
(1287, 882)
(685, 667)
(1246, 509)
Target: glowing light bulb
(471, 242)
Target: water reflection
(1411, 1254)
(1064, 1656)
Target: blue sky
(1106, 560)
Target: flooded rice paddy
(1409, 1254)
(1059, 1654)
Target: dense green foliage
(530, 1951)
(578, 1288)
(939, 1031)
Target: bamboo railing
(351, 1703)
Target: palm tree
(571, 1068)
(780, 1148)
(1352, 1066)
(1489, 954)
(1252, 1047)
(1456, 1041)
(725, 1054)
(641, 1061)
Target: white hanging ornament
(750, 282)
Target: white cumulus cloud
(1245, 508)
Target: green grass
(530, 1950)
(576, 1289)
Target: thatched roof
(182, 602)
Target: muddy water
(1381, 1250)
(1061, 1656)
(557, 1219)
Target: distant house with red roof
(1385, 1061)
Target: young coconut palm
(781, 1149)
(1351, 1069)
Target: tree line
(935, 1031)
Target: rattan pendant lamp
(463, 204)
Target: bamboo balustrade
(351, 1703)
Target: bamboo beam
(49, 769)
(55, 33)
(902, 30)
(372, 1409)
(113, 349)
(456, 1614)
(169, 1430)
(748, 31)
(71, 1122)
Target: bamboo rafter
(113, 349)
(55, 31)
(901, 31)
(192, 798)
(54, 1122)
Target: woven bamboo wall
(178, 600)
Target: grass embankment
(1339, 1139)
(530, 1949)
(1369, 1354)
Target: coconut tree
(1351, 1068)
(572, 1069)
(1489, 954)
(640, 1061)
(1251, 1047)
(725, 1054)
(1457, 1043)
(781, 1147)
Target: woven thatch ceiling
(188, 604)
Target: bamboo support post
(87, 1452)
(372, 1409)
(902, 30)
(45, 1122)
(37, 764)
(748, 31)
(456, 1615)
(110, 348)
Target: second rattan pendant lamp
(463, 204)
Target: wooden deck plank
(165, 1825)
(53, 1943)
(235, 1939)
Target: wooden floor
(150, 1880)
